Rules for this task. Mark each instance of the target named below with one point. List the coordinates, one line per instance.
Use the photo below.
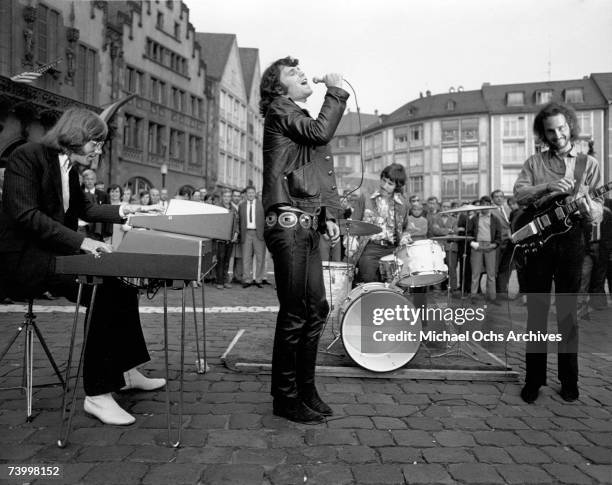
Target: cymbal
(469, 207)
(357, 228)
(452, 238)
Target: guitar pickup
(560, 213)
(543, 221)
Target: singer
(301, 201)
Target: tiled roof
(216, 49)
(436, 105)
(495, 96)
(349, 124)
(248, 58)
(604, 83)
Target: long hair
(270, 86)
(396, 173)
(74, 129)
(553, 109)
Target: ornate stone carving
(72, 34)
(29, 14)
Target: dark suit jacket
(33, 209)
(100, 229)
(496, 229)
(259, 219)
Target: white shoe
(134, 379)
(106, 409)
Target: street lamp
(164, 171)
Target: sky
(391, 50)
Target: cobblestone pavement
(384, 431)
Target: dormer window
(574, 95)
(544, 96)
(450, 105)
(516, 99)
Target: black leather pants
(303, 308)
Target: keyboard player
(41, 206)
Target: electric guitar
(546, 218)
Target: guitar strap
(579, 169)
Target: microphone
(318, 80)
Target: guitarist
(560, 169)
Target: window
(450, 157)
(47, 34)
(195, 150)
(416, 161)
(157, 91)
(574, 95)
(469, 185)
(177, 30)
(450, 131)
(178, 99)
(342, 161)
(514, 126)
(583, 146)
(508, 178)
(515, 99)
(544, 96)
(160, 20)
(513, 152)
(177, 144)
(450, 186)
(341, 142)
(157, 136)
(469, 130)
(369, 145)
(134, 80)
(416, 135)
(450, 105)
(585, 123)
(378, 142)
(415, 185)
(401, 158)
(132, 131)
(222, 135)
(164, 56)
(400, 138)
(469, 157)
(86, 74)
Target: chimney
(460, 89)
(375, 112)
(420, 94)
(486, 84)
(428, 93)
(451, 89)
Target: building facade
(464, 144)
(233, 90)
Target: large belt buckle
(305, 221)
(287, 219)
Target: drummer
(387, 209)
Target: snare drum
(423, 264)
(389, 267)
(377, 295)
(338, 280)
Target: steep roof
(495, 96)
(349, 124)
(604, 83)
(216, 49)
(436, 105)
(248, 59)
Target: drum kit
(419, 264)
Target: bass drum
(357, 305)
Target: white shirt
(65, 167)
(250, 213)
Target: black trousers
(560, 260)
(224, 254)
(302, 308)
(115, 342)
(369, 263)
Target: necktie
(251, 212)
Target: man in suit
(504, 251)
(95, 230)
(237, 268)
(251, 216)
(486, 231)
(38, 221)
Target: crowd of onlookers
(487, 250)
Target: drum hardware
(423, 264)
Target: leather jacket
(298, 166)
